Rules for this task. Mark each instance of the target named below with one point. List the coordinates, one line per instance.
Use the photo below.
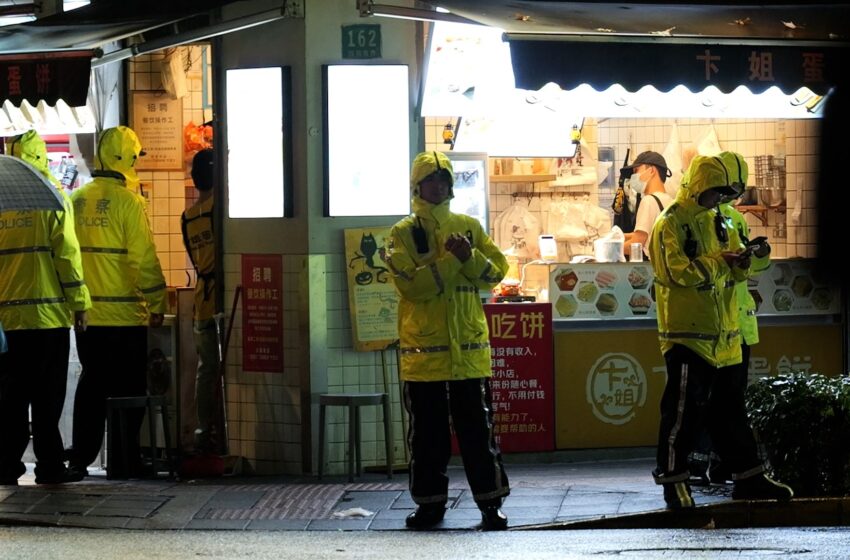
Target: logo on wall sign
(616, 387)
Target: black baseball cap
(650, 158)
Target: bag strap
(658, 202)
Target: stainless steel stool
(354, 401)
(115, 407)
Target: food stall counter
(608, 369)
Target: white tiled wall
(350, 371)
(264, 409)
(171, 192)
(791, 235)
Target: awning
(665, 64)
(46, 76)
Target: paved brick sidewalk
(550, 493)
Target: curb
(800, 512)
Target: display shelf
(759, 211)
(539, 178)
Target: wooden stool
(116, 406)
(354, 401)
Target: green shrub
(803, 422)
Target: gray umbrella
(23, 187)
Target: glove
(761, 248)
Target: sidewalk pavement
(616, 493)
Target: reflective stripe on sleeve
(154, 289)
(108, 250)
(437, 278)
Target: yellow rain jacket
(694, 287)
(738, 169)
(42, 275)
(119, 255)
(31, 148)
(442, 328)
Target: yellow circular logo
(616, 387)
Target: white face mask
(636, 183)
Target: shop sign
(262, 313)
(361, 41)
(795, 349)
(695, 66)
(522, 382)
(372, 299)
(609, 384)
(49, 78)
(158, 122)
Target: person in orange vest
(199, 239)
(128, 294)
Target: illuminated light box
(259, 168)
(367, 140)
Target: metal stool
(116, 406)
(354, 401)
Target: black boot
(492, 519)
(426, 516)
(761, 487)
(677, 495)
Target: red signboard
(46, 76)
(523, 371)
(262, 313)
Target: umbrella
(23, 187)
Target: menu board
(601, 291)
(372, 299)
(792, 288)
(623, 290)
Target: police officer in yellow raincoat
(128, 292)
(42, 285)
(440, 261)
(705, 464)
(32, 148)
(698, 257)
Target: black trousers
(114, 361)
(698, 394)
(429, 439)
(34, 372)
(703, 452)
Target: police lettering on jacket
(20, 220)
(100, 219)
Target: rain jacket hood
(726, 171)
(739, 172)
(117, 151)
(31, 148)
(425, 164)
